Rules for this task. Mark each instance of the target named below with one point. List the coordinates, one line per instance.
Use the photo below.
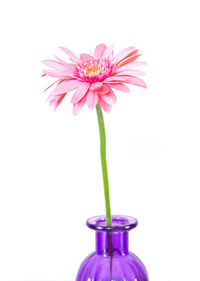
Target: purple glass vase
(112, 259)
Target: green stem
(102, 135)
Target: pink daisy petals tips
(93, 77)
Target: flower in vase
(93, 77)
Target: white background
(50, 180)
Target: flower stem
(102, 135)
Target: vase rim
(119, 222)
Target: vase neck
(112, 243)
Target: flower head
(93, 77)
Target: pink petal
(104, 89)
(131, 55)
(115, 79)
(135, 81)
(131, 64)
(92, 99)
(54, 73)
(59, 68)
(62, 61)
(85, 57)
(71, 55)
(121, 55)
(66, 86)
(79, 105)
(109, 98)
(54, 64)
(106, 107)
(131, 59)
(120, 87)
(69, 66)
(108, 52)
(52, 97)
(51, 85)
(58, 101)
(99, 51)
(96, 86)
(129, 72)
(80, 92)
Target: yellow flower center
(93, 69)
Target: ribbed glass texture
(112, 260)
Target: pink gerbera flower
(93, 77)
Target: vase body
(112, 260)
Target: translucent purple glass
(112, 259)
